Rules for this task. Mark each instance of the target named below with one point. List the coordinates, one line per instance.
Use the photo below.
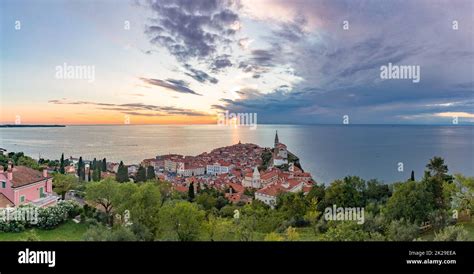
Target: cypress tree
(150, 173)
(79, 167)
(96, 174)
(61, 168)
(191, 192)
(141, 174)
(412, 177)
(122, 173)
(104, 165)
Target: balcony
(46, 200)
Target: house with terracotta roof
(21, 185)
(269, 194)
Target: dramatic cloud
(193, 29)
(137, 109)
(199, 75)
(171, 84)
(326, 55)
(221, 62)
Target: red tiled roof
(181, 188)
(271, 190)
(276, 188)
(23, 176)
(236, 187)
(269, 174)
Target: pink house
(22, 185)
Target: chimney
(45, 172)
(10, 171)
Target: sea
(385, 152)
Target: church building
(280, 152)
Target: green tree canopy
(62, 183)
(105, 194)
(181, 220)
(410, 201)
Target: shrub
(12, 226)
(401, 230)
(452, 233)
(51, 217)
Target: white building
(187, 170)
(218, 168)
(252, 179)
(132, 169)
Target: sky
(184, 62)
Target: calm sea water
(327, 151)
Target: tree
(218, 229)
(105, 194)
(376, 192)
(462, 196)
(293, 206)
(62, 183)
(317, 192)
(61, 165)
(28, 162)
(410, 201)
(348, 192)
(312, 215)
(122, 173)
(150, 173)
(94, 164)
(141, 174)
(191, 192)
(437, 175)
(89, 177)
(181, 220)
(437, 168)
(81, 169)
(96, 174)
(206, 200)
(143, 201)
(412, 177)
(104, 165)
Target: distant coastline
(1, 126)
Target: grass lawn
(68, 231)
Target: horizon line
(207, 124)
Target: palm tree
(437, 167)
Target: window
(4, 184)
(22, 199)
(42, 195)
